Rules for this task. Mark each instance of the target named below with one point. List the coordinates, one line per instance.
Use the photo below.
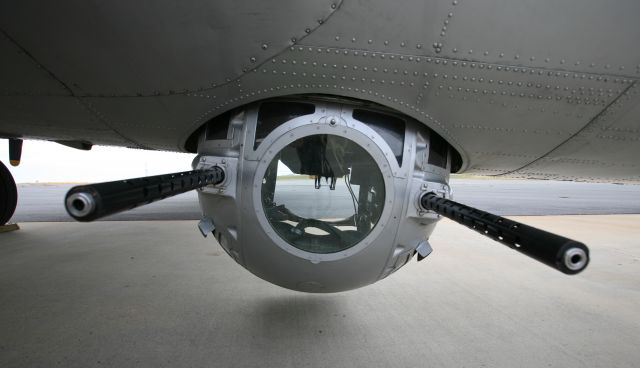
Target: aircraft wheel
(8, 195)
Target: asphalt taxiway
(157, 294)
(44, 202)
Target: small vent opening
(218, 127)
(390, 128)
(274, 114)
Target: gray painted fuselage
(532, 89)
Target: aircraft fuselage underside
(527, 89)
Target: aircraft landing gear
(8, 195)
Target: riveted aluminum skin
(534, 89)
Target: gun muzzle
(91, 202)
(563, 254)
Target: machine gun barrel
(91, 202)
(563, 254)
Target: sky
(47, 162)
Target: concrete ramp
(156, 294)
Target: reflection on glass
(323, 193)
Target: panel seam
(66, 87)
(585, 127)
